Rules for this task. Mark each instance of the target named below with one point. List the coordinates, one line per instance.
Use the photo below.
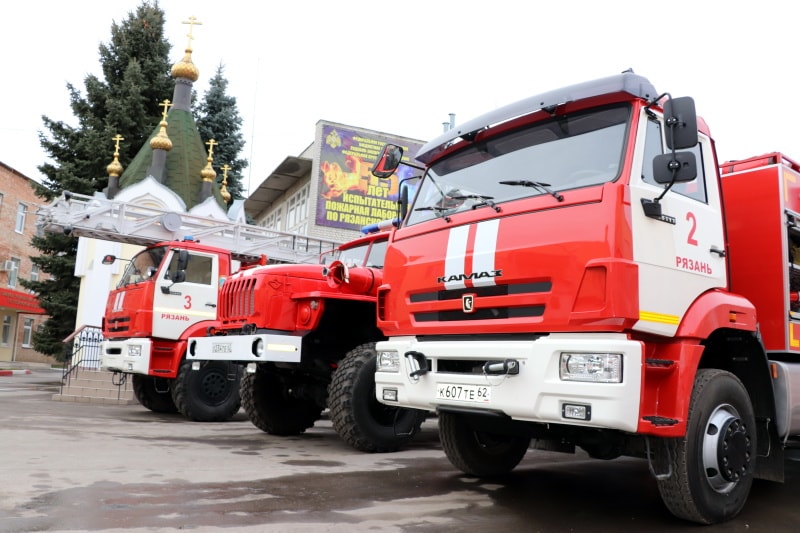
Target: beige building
(20, 314)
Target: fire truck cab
(569, 274)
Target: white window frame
(27, 333)
(6, 334)
(13, 274)
(297, 211)
(273, 220)
(22, 213)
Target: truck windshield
(357, 255)
(561, 153)
(143, 266)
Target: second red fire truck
(306, 335)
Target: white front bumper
(241, 348)
(536, 393)
(117, 356)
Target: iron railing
(82, 351)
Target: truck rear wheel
(712, 466)
(270, 406)
(358, 417)
(153, 393)
(210, 394)
(479, 453)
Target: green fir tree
(136, 71)
(218, 118)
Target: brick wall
(15, 190)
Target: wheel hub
(214, 385)
(726, 449)
(733, 450)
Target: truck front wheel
(209, 394)
(271, 407)
(153, 393)
(712, 466)
(476, 452)
(357, 416)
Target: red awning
(20, 301)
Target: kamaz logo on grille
(468, 303)
(470, 276)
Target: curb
(13, 372)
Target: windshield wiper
(484, 200)
(438, 209)
(536, 185)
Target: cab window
(654, 146)
(198, 270)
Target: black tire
(357, 416)
(712, 466)
(479, 453)
(154, 393)
(210, 394)
(270, 407)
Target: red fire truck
(169, 291)
(576, 270)
(307, 334)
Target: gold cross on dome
(211, 144)
(192, 22)
(117, 138)
(166, 105)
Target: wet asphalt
(98, 468)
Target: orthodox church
(173, 172)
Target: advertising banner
(350, 197)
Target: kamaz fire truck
(307, 335)
(169, 291)
(576, 270)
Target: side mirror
(408, 188)
(677, 166)
(183, 259)
(680, 118)
(388, 161)
(109, 259)
(179, 275)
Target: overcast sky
(402, 67)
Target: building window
(1, 201)
(27, 332)
(22, 211)
(273, 220)
(297, 211)
(12, 274)
(6, 330)
(34, 272)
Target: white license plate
(221, 347)
(464, 393)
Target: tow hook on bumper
(509, 367)
(417, 363)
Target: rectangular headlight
(591, 367)
(135, 350)
(388, 361)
